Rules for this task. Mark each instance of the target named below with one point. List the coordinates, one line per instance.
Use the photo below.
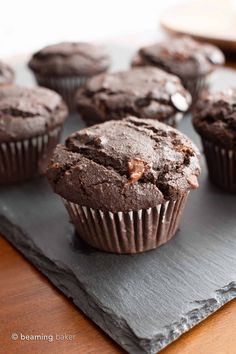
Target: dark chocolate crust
(143, 92)
(6, 74)
(124, 165)
(28, 112)
(182, 56)
(215, 118)
(70, 59)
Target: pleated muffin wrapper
(130, 232)
(25, 159)
(197, 86)
(221, 164)
(65, 86)
(174, 120)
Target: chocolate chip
(136, 169)
(216, 57)
(184, 149)
(87, 137)
(100, 141)
(55, 165)
(193, 182)
(180, 102)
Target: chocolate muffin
(30, 124)
(64, 67)
(188, 59)
(215, 120)
(144, 92)
(6, 74)
(125, 183)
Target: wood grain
(29, 304)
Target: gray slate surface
(145, 301)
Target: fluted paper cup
(131, 232)
(174, 120)
(24, 159)
(197, 86)
(221, 165)
(65, 86)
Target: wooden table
(30, 305)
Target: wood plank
(29, 304)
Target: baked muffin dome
(124, 165)
(31, 120)
(70, 59)
(144, 92)
(182, 56)
(215, 118)
(190, 60)
(27, 112)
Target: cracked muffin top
(6, 74)
(215, 118)
(27, 112)
(144, 92)
(124, 165)
(68, 59)
(182, 56)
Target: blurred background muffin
(190, 60)
(31, 120)
(64, 67)
(145, 92)
(215, 120)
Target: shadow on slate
(144, 301)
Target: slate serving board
(144, 301)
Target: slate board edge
(89, 306)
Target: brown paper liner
(131, 232)
(196, 87)
(221, 165)
(25, 159)
(174, 120)
(65, 86)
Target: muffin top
(6, 74)
(144, 92)
(27, 112)
(181, 56)
(68, 59)
(215, 118)
(124, 165)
